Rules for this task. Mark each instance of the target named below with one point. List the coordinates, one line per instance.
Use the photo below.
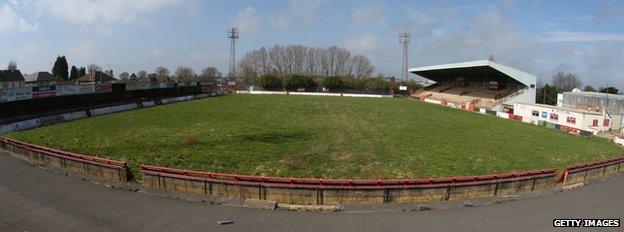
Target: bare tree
(303, 60)
(210, 72)
(124, 76)
(142, 74)
(93, 68)
(12, 65)
(162, 71)
(361, 66)
(566, 81)
(184, 73)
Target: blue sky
(540, 37)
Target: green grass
(331, 137)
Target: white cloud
(363, 44)
(85, 52)
(102, 11)
(602, 65)
(367, 13)
(570, 36)
(298, 12)
(489, 33)
(10, 21)
(249, 20)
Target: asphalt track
(34, 199)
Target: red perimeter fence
(589, 166)
(311, 183)
(297, 183)
(63, 156)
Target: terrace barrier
(108, 169)
(581, 173)
(327, 191)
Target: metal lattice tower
(233, 36)
(404, 39)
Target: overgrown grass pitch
(331, 137)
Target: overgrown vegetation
(273, 81)
(331, 137)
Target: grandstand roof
(475, 71)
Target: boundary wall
(582, 173)
(107, 169)
(310, 191)
(327, 191)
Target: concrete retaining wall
(21, 125)
(317, 191)
(148, 104)
(111, 170)
(331, 192)
(432, 101)
(113, 109)
(74, 115)
(583, 173)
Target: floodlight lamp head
(233, 33)
(404, 38)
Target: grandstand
(482, 84)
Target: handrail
(343, 183)
(65, 154)
(588, 166)
(521, 91)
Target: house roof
(475, 71)
(97, 77)
(11, 75)
(39, 76)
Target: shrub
(333, 83)
(270, 81)
(297, 81)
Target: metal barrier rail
(588, 166)
(311, 183)
(67, 155)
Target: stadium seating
(463, 93)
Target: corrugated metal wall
(614, 104)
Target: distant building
(96, 77)
(11, 79)
(40, 79)
(571, 120)
(613, 104)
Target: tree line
(566, 82)
(276, 81)
(182, 73)
(303, 61)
